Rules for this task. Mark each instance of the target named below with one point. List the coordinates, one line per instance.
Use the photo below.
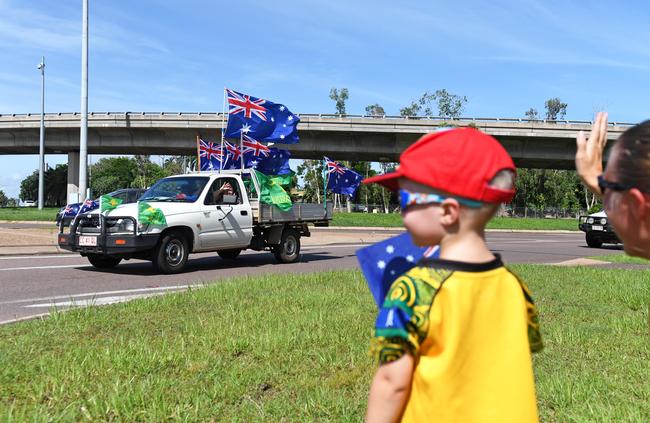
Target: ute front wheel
(102, 261)
(229, 254)
(288, 251)
(593, 241)
(170, 255)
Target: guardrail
(319, 116)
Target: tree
(3, 199)
(448, 105)
(386, 167)
(147, 172)
(311, 172)
(29, 187)
(375, 110)
(176, 165)
(112, 173)
(531, 114)
(555, 109)
(55, 185)
(412, 109)
(339, 97)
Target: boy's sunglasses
(604, 184)
(407, 199)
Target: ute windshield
(183, 190)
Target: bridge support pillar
(73, 178)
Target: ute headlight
(590, 220)
(603, 221)
(120, 225)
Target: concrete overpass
(531, 143)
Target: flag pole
(223, 127)
(241, 150)
(325, 180)
(198, 154)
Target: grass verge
(621, 258)
(294, 348)
(390, 220)
(48, 214)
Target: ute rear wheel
(170, 255)
(288, 251)
(593, 241)
(229, 254)
(102, 261)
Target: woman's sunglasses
(604, 184)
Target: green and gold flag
(272, 189)
(108, 203)
(148, 215)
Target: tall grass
(294, 348)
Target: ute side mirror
(229, 199)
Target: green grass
(390, 220)
(48, 214)
(621, 258)
(294, 348)
(394, 220)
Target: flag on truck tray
(340, 179)
(385, 261)
(148, 215)
(262, 119)
(276, 163)
(272, 189)
(210, 155)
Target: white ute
(200, 218)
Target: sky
(165, 55)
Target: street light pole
(83, 129)
(41, 151)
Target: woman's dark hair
(633, 164)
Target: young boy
(454, 335)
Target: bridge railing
(220, 115)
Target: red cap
(461, 162)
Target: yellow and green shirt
(471, 328)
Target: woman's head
(630, 157)
(626, 195)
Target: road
(34, 284)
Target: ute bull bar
(98, 234)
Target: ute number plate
(88, 241)
(596, 228)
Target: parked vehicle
(200, 217)
(127, 195)
(598, 230)
(29, 203)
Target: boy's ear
(450, 209)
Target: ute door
(227, 220)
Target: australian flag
(340, 179)
(262, 119)
(268, 160)
(385, 261)
(276, 163)
(88, 205)
(210, 155)
(71, 210)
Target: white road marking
(45, 267)
(45, 256)
(92, 301)
(97, 294)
